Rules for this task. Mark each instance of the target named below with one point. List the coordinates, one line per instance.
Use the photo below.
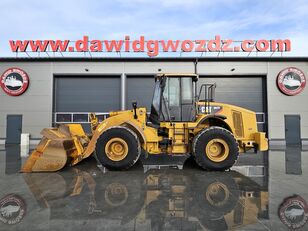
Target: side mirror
(134, 104)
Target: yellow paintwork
(76, 130)
(116, 149)
(181, 133)
(57, 146)
(217, 150)
(261, 140)
(250, 135)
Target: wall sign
(14, 81)
(291, 81)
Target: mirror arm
(134, 103)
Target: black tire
(132, 142)
(213, 196)
(119, 198)
(204, 137)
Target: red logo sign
(14, 81)
(291, 81)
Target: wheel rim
(116, 194)
(217, 194)
(217, 150)
(116, 149)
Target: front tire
(120, 198)
(118, 148)
(215, 148)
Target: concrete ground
(264, 191)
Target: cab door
(171, 107)
(177, 100)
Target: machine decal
(291, 81)
(212, 109)
(14, 81)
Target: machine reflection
(165, 198)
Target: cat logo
(14, 81)
(291, 81)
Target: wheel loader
(182, 121)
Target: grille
(238, 123)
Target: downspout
(123, 89)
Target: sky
(170, 19)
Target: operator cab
(173, 98)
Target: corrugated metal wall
(87, 93)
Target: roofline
(157, 59)
(177, 74)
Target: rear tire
(215, 148)
(118, 148)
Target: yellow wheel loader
(182, 121)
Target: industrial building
(42, 92)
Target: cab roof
(194, 76)
(177, 75)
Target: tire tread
(198, 158)
(131, 163)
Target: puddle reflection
(293, 157)
(12, 159)
(158, 199)
(163, 198)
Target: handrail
(209, 94)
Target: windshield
(156, 96)
(172, 100)
(172, 91)
(187, 94)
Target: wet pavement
(264, 191)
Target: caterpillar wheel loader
(182, 121)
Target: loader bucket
(58, 147)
